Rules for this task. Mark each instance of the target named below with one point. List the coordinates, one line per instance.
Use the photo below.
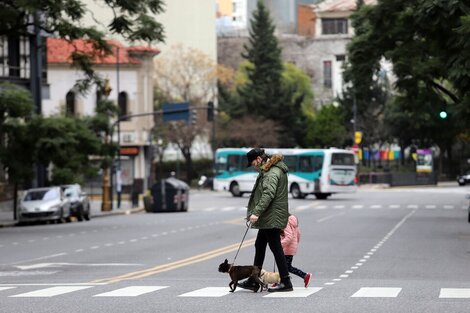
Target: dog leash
(248, 225)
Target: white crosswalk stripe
(217, 292)
(50, 292)
(208, 292)
(376, 292)
(455, 293)
(132, 291)
(297, 293)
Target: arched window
(122, 103)
(70, 103)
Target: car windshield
(49, 194)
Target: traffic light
(193, 117)
(443, 114)
(210, 111)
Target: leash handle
(248, 225)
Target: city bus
(321, 172)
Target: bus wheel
(295, 191)
(321, 196)
(235, 190)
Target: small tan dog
(269, 278)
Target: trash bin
(170, 195)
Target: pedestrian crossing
(315, 206)
(215, 292)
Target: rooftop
(59, 51)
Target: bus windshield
(342, 159)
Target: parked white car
(44, 204)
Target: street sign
(182, 114)
(357, 137)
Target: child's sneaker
(307, 279)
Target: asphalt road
(393, 250)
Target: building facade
(130, 74)
(319, 47)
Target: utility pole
(106, 204)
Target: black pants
(292, 269)
(272, 237)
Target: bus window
(306, 164)
(233, 163)
(342, 159)
(291, 162)
(317, 162)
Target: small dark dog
(241, 272)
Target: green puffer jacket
(269, 195)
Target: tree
(65, 143)
(262, 93)
(132, 19)
(296, 97)
(186, 75)
(427, 44)
(327, 128)
(16, 151)
(248, 131)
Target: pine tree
(261, 94)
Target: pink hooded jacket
(290, 239)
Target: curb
(104, 214)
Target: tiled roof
(340, 5)
(60, 50)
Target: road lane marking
(382, 241)
(376, 206)
(132, 291)
(376, 292)
(430, 206)
(41, 258)
(6, 288)
(394, 206)
(455, 293)
(54, 284)
(297, 293)
(358, 207)
(44, 265)
(177, 264)
(209, 292)
(448, 207)
(329, 217)
(50, 292)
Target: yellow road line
(177, 264)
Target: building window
(99, 96)
(332, 26)
(327, 74)
(70, 103)
(14, 57)
(122, 104)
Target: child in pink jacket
(290, 238)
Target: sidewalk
(6, 211)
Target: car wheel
(235, 190)
(296, 193)
(469, 217)
(80, 213)
(86, 214)
(461, 183)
